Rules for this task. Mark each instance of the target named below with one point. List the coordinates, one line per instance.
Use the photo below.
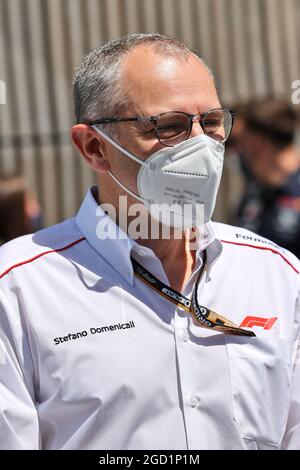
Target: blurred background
(252, 46)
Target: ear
(91, 146)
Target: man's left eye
(170, 129)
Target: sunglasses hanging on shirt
(203, 316)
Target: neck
(174, 251)
(176, 256)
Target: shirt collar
(116, 246)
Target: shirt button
(194, 401)
(180, 313)
(185, 336)
(126, 272)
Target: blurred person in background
(267, 140)
(20, 212)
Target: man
(270, 152)
(149, 343)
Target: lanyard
(204, 317)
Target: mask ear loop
(128, 154)
(126, 189)
(119, 147)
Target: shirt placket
(188, 384)
(203, 378)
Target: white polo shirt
(93, 358)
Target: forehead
(155, 83)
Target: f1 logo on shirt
(266, 323)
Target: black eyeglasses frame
(191, 117)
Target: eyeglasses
(174, 127)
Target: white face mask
(184, 178)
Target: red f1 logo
(266, 323)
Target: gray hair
(97, 86)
